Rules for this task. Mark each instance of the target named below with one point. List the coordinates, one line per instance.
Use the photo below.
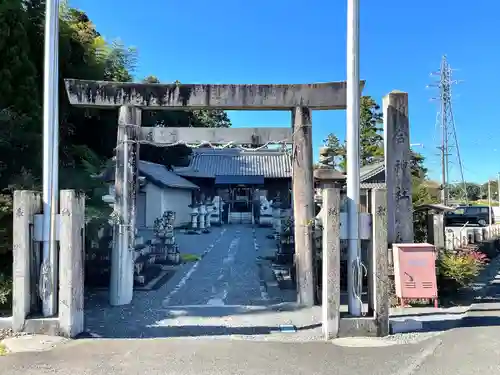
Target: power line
(445, 122)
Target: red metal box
(415, 271)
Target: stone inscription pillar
(398, 168)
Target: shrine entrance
(131, 98)
(240, 206)
(243, 205)
(229, 251)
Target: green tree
(17, 72)
(370, 137)
(472, 191)
(493, 188)
(372, 150)
(87, 137)
(178, 155)
(338, 151)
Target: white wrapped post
(209, 209)
(201, 216)
(279, 223)
(194, 217)
(275, 216)
(276, 220)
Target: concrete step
(240, 217)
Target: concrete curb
(32, 343)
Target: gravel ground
(227, 275)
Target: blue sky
(293, 41)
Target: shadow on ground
(147, 318)
(484, 313)
(195, 331)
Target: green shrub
(186, 258)
(5, 289)
(462, 268)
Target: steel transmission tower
(449, 150)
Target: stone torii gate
(131, 98)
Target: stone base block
(36, 326)
(358, 327)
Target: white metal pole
(50, 158)
(353, 161)
(489, 207)
(54, 244)
(498, 188)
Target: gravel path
(227, 275)
(226, 278)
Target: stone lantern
(325, 176)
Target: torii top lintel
(103, 94)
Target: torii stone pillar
(122, 254)
(303, 204)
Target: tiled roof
(235, 162)
(208, 163)
(160, 175)
(155, 173)
(372, 185)
(371, 170)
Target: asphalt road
(204, 356)
(471, 349)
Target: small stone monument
(164, 241)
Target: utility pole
(444, 175)
(446, 124)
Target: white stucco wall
(158, 200)
(167, 199)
